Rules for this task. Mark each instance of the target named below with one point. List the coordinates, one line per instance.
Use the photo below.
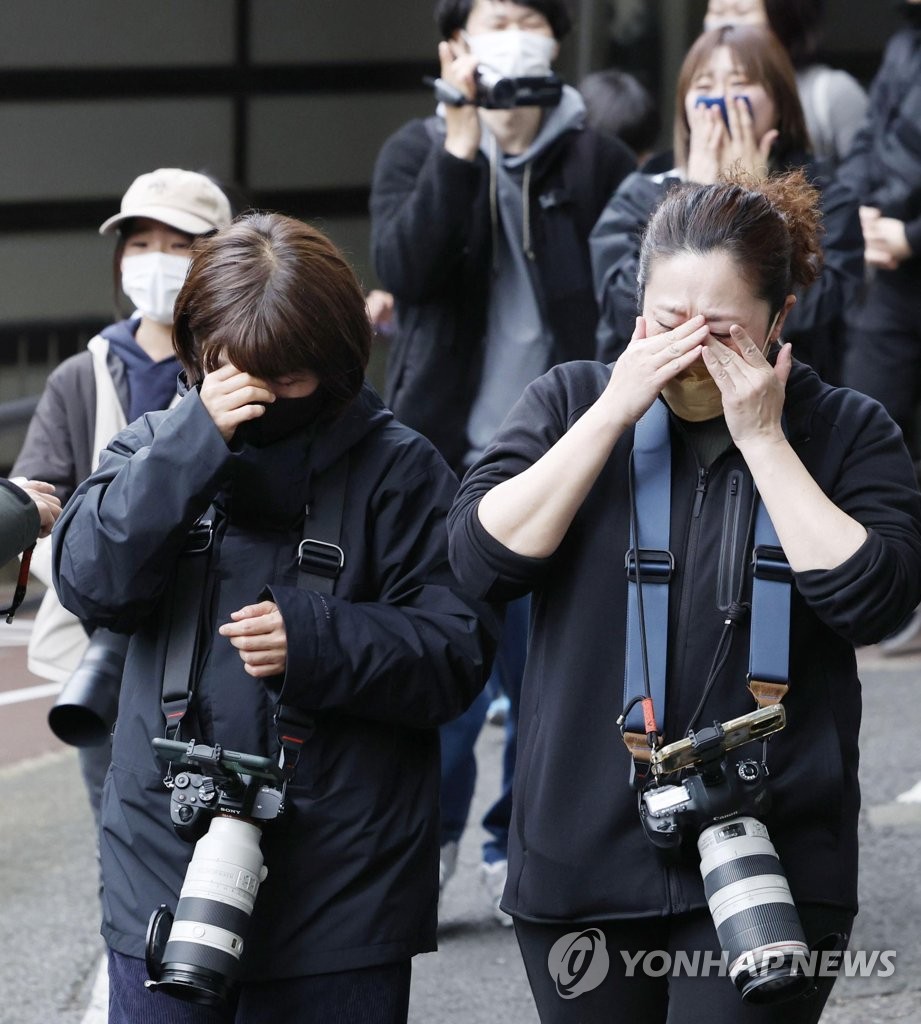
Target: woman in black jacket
(736, 106)
(548, 509)
(272, 331)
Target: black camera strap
(649, 565)
(320, 560)
(183, 622)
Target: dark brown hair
(274, 297)
(798, 25)
(770, 227)
(766, 62)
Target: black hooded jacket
(578, 851)
(378, 665)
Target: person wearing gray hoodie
(480, 218)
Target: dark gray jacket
(19, 521)
(394, 652)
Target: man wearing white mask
(480, 225)
(129, 369)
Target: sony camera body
(495, 91)
(219, 800)
(218, 781)
(720, 805)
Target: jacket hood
(363, 415)
(122, 333)
(567, 115)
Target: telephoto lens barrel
(199, 959)
(756, 920)
(84, 713)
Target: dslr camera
(719, 804)
(219, 800)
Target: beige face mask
(695, 396)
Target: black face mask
(281, 417)
(910, 12)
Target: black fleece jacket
(431, 246)
(577, 850)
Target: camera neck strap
(320, 560)
(649, 566)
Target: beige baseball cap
(184, 200)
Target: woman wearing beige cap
(129, 369)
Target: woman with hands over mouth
(276, 432)
(547, 510)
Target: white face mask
(514, 53)
(152, 281)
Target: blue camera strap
(645, 665)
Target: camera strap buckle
(320, 558)
(656, 565)
(767, 693)
(294, 729)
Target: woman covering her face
(334, 652)
(736, 109)
(738, 431)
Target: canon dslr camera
(719, 805)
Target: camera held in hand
(719, 804)
(219, 800)
(495, 91)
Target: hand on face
(746, 137)
(752, 389)
(258, 633)
(232, 397)
(713, 149)
(649, 362)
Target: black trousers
(371, 995)
(883, 358)
(639, 977)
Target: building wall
(287, 101)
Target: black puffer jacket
(578, 851)
(394, 652)
(431, 246)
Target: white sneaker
(493, 877)
(905, 640)
(447, 863)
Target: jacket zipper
(673, 880)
